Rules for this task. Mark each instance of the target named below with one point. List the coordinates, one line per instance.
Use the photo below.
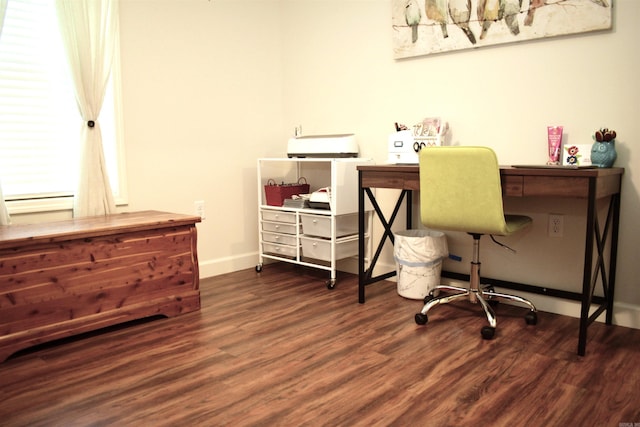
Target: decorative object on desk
(577, 155)
(603, 150)
(554, 144)
(404, 145)
(423, 27)
(277, 193)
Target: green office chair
(460, 190)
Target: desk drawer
(512, 185)
(555, 186)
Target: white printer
(341, 145)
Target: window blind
(39, 119)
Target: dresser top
(80, 228)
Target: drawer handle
(315, 221)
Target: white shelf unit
(315, 238)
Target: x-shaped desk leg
(366, 276)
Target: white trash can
(418, 255)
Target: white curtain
(89, 29)
(4, 214)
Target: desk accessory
(404, 145)
(276, 194)
(554, 144)
(603, 150)
(576, 155)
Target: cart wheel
(258, 268)
(421, 319)
(331, 284)
(531, 318)
(488, 332)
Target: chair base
(476, 293)
(484, 297)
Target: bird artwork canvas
(423, 27)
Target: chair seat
(516, 222)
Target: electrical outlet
(556, 225)
(198, 207)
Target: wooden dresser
(62, 278)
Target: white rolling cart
(313, 237)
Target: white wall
(203, 99)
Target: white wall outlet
(198, 207)
(556, 225)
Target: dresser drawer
(319, 248)
(277, 249)
(279, 227)
(283, 239)
(278, 216)
(320, 225)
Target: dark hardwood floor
(279, 349)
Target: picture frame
(424, 27)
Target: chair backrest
(460, 190)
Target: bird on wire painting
(422, 27)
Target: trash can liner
(416, 263)
(418, 255)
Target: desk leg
(590, 275)
(361, 240)
(365, 276)
(586, 274)
(614, 256)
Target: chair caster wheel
(421, 319)
(531, 318)
(488, 332)
(493, 302)
(331, 284)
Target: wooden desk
(63, 278)
(589, 184)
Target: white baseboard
(215, 267)
(624, 314)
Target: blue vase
(603, 154)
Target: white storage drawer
(320, 225)
(281, 250)
(278, 216)
(280, 227)
(318, 248)
(283, 239)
